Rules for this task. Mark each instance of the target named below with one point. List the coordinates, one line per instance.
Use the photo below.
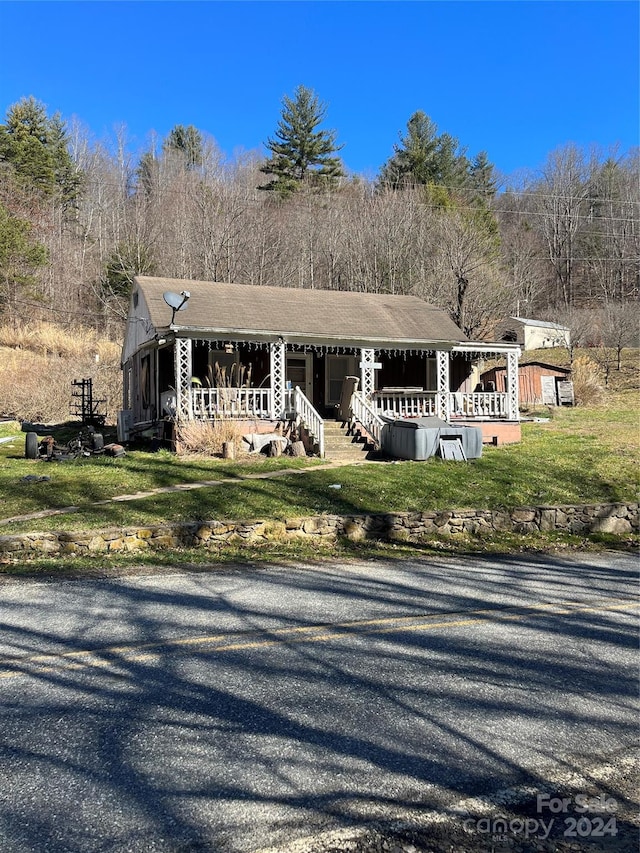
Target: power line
(51, 310)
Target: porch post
(183, 371)
(443, 405)
(513, 412)
(367, 372)
(277, 361)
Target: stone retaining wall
(402, 527)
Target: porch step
(341, 447)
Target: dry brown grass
(588, 382)
(39, 362)
(205, 438)
(49, 339)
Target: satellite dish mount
(176, 301)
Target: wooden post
(274, 449)
(228, 450)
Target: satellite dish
(176, 301)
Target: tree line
(78, 219)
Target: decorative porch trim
(278, 366)
(512, 386)
(184, 372)
(367, 372)
(442, 389)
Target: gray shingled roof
(298, 314)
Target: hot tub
(419, 438)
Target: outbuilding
(533, 334)
(537, 381)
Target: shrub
(206, 437)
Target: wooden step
(340, 445)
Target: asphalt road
(237, 710)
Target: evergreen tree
(36, 148)
(413, 161)
(148, 173)
(424, 157)
(127, 260)
(20, 255)
(481, 177)
(188, 142)
(300, 153)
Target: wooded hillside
(79, 218)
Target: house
(537, 381)
(532, 334)
(263, 355)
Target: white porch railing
(424, 404)
(256, 403)
(397, 404)
(231, 402)
(484, 404)
(366, 415)
(309, 417)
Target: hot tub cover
(419, 438)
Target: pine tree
(21, 255)
(413, 161)
(148, 173)
(35, 146)
(481, 177)
(300, 153)
(188, 142)
(424, 157)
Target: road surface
(237, 710)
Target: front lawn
(582, 455)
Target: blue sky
(514, 78)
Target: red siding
(530, 388)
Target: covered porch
(275, 381)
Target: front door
(338, 367)
(299, 372)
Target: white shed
(533, 334)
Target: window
(338, 366)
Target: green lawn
(582, 455)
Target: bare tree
(561, 201)
(522, 251)
(620, 327)
(468, 259)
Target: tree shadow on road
(225, 713)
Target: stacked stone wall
(618, 518)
